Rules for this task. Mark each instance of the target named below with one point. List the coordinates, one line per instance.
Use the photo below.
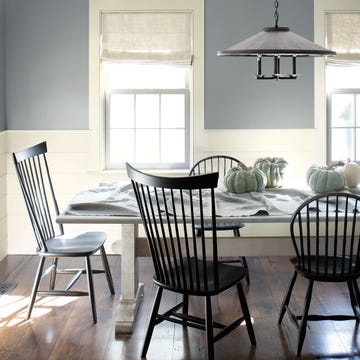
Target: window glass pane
(342, 144)
(122, 111)
(132, 76)
(338, 77)
(172, 146)
(342, 110)
(121, 146)
(147, 146)
(147, 111)
(173, 111)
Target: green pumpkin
(325, 178)
(273, 169)
(241, 179)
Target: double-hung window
(344, 124)
(147, 116)
(343, 86)
(146, 60)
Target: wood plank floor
(62, 328)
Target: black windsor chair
(220, 164)
(36, 185)
(325, 232)
(184, 263)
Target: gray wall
(2, 66)
(234, 98)
(47, 66)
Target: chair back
(169, 208)
(216, 163)
(37, 189)
(325, 231)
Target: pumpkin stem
(243, 166)
(335, 163)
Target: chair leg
(357, 292)
(246, 313)
(354, 297)
(53, 274)
(209, 328)
(152, 321)
(35, 286)
(91, 287)
(287, 298)
(107, 270)
(243, 258)
(302, 329)
(185, 307)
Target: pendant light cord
(276, 13)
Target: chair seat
(229, 275)
(82, 244)
(221, 225)
(327, 269)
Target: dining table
(115, 203)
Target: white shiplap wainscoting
(299, 147)
(70, 162)
(3, 218)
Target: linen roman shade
(343, 36)
(147, 37)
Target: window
(343, 88)
(101, 51)
(147, 115)
(344, 125)
(146, 59)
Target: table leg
(131, 290)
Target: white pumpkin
(352, 174)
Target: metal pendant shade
(276, 42)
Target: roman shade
(343, 36)
(147, 37)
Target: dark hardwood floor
(62, 328)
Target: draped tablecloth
(114, 199)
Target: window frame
(96, 143)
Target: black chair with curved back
(34, 177)
(220, 164)
(183, 262)
(325, 232)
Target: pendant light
(276, 42)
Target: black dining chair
(34, 177)
(220, 164)
(325, 232)
(183, 262)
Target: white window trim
(321, 7)
(96, 148)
